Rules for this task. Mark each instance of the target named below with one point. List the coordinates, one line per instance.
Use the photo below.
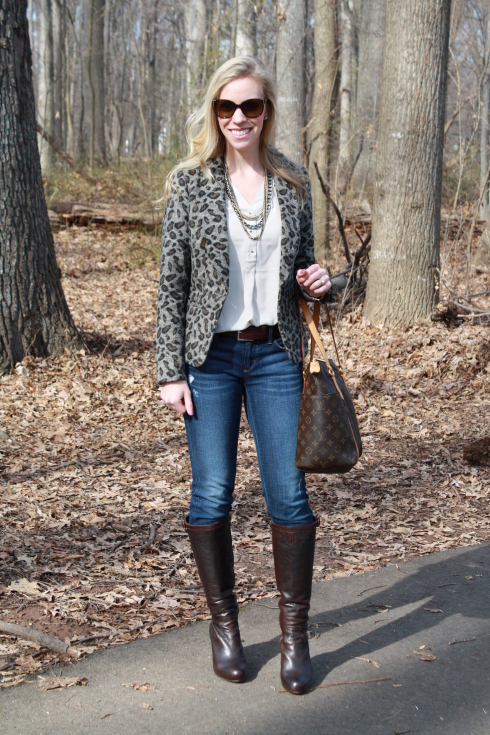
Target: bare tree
(34, 316)
(195, 35)
(290, 70)
(370, 20)
(45, 97)
(345, 143)
(320, 126)
(403, 277)
(246, 42)
(485, 121)
(95, 75)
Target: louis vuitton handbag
(329, 441)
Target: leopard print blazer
(194, 269)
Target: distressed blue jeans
(271, 385)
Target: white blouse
(254, 267)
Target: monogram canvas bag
(329, 441)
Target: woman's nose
(238, 116)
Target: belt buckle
(243, 339)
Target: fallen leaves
(141, 687)
(96, 478)
(425, 655)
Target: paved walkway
(378, 625)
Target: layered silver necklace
(253, 225)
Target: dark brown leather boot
(213, 552)
(294, 548)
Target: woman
(237, 242)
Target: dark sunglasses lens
(252, 108)
(225, 108)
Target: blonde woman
(237, 244)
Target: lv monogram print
(328, 434)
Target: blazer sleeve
(174, 284)
(306, 253)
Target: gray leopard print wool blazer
(194, 269)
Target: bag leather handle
(316, 339)
(313, 323)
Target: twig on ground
(398, 712)
(369, 589)
(32, 634)
(342, 683)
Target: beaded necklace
(252, 223)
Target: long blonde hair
(206, 141)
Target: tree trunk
(291, 78)
(45, 97)
(403, 274)
(195, 34)
(371, 24)
(485, 122)
(97, 79)
(58, 52)
(320, 128)
(246, 43)
(345, 143)
(34, 316)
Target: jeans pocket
(279, 344)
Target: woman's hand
(177, 396)
(314, 280)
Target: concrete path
(368, 626)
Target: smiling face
(240, 132)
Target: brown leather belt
(250, 334)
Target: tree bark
(320, 128)
(403, 274)
(291, 78)
(246, 43)
(34, 316)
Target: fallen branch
(337, 212)
(28, 633)
(342, 683)
(68, 159)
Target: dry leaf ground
(96, 477)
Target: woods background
(118, 79)
(94, 470)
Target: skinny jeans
(260, 374)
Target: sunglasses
(250, 108)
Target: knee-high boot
(294, 548)
(213, 552)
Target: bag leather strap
(313, 322)
(316, 341)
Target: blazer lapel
(290, 225)
(216, 239)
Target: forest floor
(96, 479)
